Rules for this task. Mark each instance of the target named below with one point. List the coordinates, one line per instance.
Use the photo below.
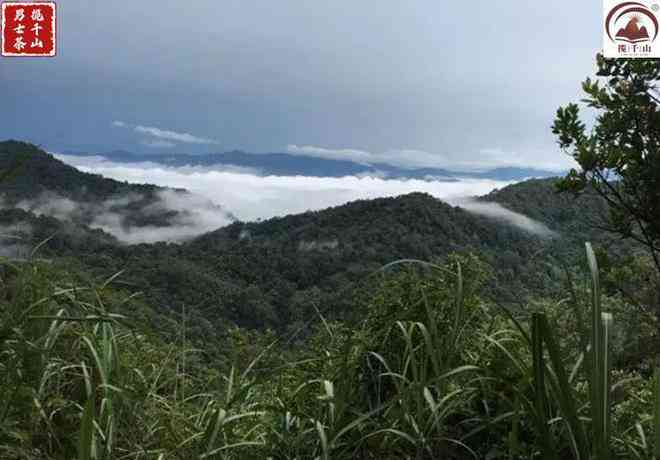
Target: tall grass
(565, 424)
(432, 373)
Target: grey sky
(461, 80)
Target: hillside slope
(275, 273)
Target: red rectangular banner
(29, 29)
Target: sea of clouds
(249, 196)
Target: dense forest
(390, 328)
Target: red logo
(29, 29)
(630, 20)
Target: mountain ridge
(286, 164)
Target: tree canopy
(619, 156)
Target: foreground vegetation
(431, 371)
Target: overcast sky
(461, 81)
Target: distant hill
(285, 164)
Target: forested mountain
(28, 171)
(278, 272)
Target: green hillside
(296, 338)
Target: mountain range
(277, 273)
(633, 33)
(286, 164)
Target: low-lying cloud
(187, 215)
(499, 212)
(251, 197)
(194, 215)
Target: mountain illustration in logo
(632, 33)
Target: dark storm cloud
(456, 79)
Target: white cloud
(50, 204)
(251, 197)
(164, 135)
(497, 211)
(488, 158)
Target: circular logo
(632, 22)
